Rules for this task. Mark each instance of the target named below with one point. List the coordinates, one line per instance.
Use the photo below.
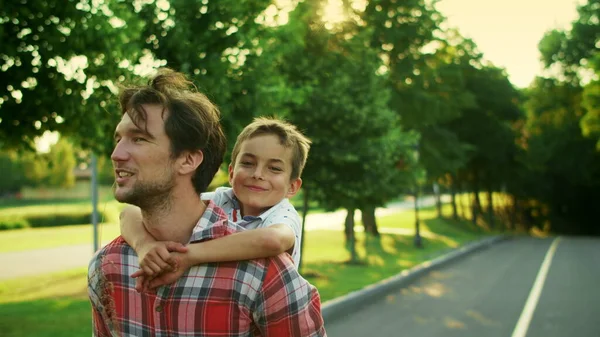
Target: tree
(60, 62)
(218, 44)
(52, 169)
(342, 105)
(11, 172)
(563, 166)
(576, 52)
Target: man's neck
(176, 220)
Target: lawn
(56, 304)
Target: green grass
(49, 237)
(57, 305)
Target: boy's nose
(257, 174)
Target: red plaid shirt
(261, 297)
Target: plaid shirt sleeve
(99, 319)
(288, 305)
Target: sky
(508, 31)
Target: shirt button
(159, 308)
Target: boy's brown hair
(289, 137)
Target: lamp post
(95, 202)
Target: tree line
(391, 99)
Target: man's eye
(138, 139)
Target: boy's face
(260, 176)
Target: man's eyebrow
(134, 131)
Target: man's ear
(294, 187)
(190, 161)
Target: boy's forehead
(266, 145)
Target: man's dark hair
(192, 123)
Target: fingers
(176, 247)
(151, 268)
(139, 284)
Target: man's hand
(146, 283)
(155, 257)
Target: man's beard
(151, 196)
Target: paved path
(485, 294)
(17, 264)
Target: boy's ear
(294, 187)
(190, 161)
(230, 175)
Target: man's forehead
(149, 121)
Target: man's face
(144, 172)
(260, 177)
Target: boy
(266, 164)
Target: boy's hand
(146, 283)
(155, 257)
(169, 276)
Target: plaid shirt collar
(213, 224)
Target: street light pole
(95, 201)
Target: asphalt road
(484, 294)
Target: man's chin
(122, 196)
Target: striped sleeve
(286, 214)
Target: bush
(13, 223)
(49, 219)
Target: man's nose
(120, 152)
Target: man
(168, 146)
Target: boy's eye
(276, 169)
(245, 163)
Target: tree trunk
(417, 240)
(490, 207)
(514, 212)
(350, 237)
(463, 200)
(304, 213)
(474, 207)
(453, 196)
(438, 200)
(369, 220)
(476, 204)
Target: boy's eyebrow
(277, 160)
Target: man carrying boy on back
(168, 146)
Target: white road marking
(536, 291)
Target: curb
(352, 302)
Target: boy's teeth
(124, 174)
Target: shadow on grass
(383, 257)
(62, 317)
